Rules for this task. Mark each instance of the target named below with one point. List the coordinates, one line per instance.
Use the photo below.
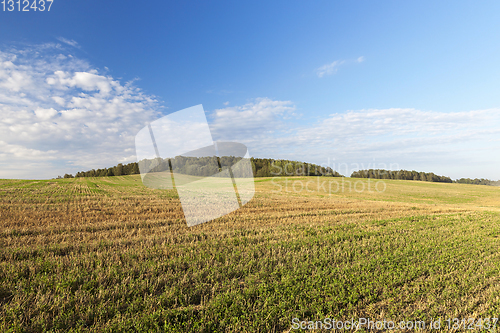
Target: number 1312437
(26, 5)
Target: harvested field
(110, 255)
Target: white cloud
(59, 100)
(88, 81)
(45, 114)
(70, 42)
(19, 151)
(329, 69)
(332, 68)
(61, 115)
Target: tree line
(263, 167)
(208, 166)
(267, 167)
(478, 181)
(118, 170)
(401, 174)
(421, 176)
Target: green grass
(109, 255)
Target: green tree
(118, 170)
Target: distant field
(110, 255)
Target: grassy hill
(110, 255)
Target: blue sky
(414, 85)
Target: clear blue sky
(436, 57)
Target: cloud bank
(58, 114)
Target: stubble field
(109, 255)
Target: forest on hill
(207, 166)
